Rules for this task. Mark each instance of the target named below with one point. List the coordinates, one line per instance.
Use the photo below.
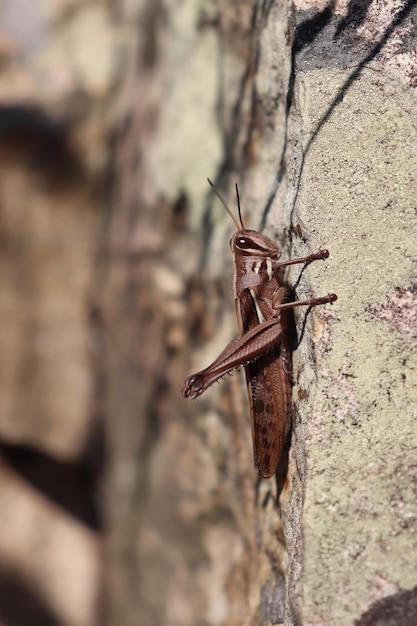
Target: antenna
(238, 208)
(218, 194)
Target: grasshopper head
(255, 244)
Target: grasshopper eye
(245, 243)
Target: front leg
(316, 256)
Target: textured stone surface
(356, 197)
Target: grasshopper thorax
(255, 257)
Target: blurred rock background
(58, 71)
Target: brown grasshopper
(265, 340)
